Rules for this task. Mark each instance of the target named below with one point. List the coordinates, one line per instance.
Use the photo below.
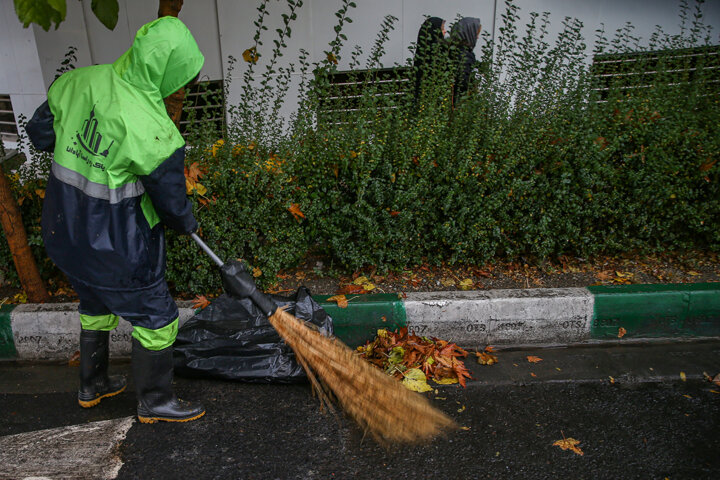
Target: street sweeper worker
(116, 182)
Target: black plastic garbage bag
(232, 339)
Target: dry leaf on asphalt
(715, 380)
(533, 359)
(683, 377)
(75, 359)
(569, 444)
(340, 299)
(621, 332)
(486, 358)
(415, 380)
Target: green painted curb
(7, 341)
(359, 322)
(668, 310)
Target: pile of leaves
(415, 359)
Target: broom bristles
(377, 402)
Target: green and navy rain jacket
(117, 173)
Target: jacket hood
(163, 57)
(466, 31)
(430, 31)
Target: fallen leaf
(687, 396)
(364, 283)
(20, 298)
(612, 380)
(714, 391)
(446, 381)
(715, 380)
(604, 276)
(683, 377)
(351, 290)
(340, 299)
(447, 282)
(569, 444)
(200, 302)
(466, 284)
(465, 428)
(295, 210)
(256, 272)
(462, 409)
(486, 358)
(74, 360)
(693, 273)
(621, 332)
(415, 380)
(533, 375)
(533, 359)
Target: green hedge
(533, 163)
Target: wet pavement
(638, 411)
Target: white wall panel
(107, 45)
(54, 44)
(614, 14)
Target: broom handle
(207, 250)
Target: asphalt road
(655, 418)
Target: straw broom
(377, 402)
(381, 405)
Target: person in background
(430, 52)
(464, 36)
(117, 179)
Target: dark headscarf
(429, 36)
(465, 31)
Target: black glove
(238, 282)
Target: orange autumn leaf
(533, 359)
(340, 299)
(295, 210)
(193, 172)
(569, 444)
(486, 358)
(200, 302)
(351, 289)
(621, 332)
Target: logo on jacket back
(90, 138)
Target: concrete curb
(472, 318)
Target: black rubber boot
(95, 384)
(153, 374)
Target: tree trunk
(174, 102)
(17, 239)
